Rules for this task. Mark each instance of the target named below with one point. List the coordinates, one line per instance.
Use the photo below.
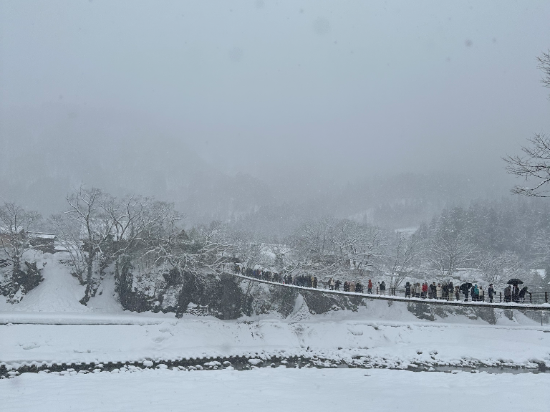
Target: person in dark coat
(346, 286)
(337, 284)
(464, 288)
(515, 294)
(522, 294)
(491, 292)
(433, 291)
(407, 290)
(383, 288)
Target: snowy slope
(60, 292)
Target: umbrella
(515, 282)
(466, 286)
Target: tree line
(135, 236)
(107, 235)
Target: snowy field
(383, 342)
(278, 389)
(49, 326)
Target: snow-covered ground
(50, 326)
(388, 331)
(383, 342)
(278, 389)
(60, 292)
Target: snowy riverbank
(333, 336)
(278, 389)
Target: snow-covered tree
(498, 268)
(16, 238)
(90, 228)
(98, 230)
(449, 242)
(401, 257)
(15, 225)
(330, 247)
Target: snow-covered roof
(407, 231)
(7, 229)
(41, 235)
(540, 272)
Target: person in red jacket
(424, 289)
(369, 287)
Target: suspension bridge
(527, 305)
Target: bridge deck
(458, 303)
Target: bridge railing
(536, 298)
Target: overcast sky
(292, 88)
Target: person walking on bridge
(475, 293)
(369, 287)
(465, 288)
(522, 294)
(451, 289)
(433, 291)
(515, 293)
(438, 291)
(491, 292)
(508, 293)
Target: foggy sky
(292, 92)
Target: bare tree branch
(544, 66)
(534, 167)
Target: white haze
(224, 105)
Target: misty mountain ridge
(67, 146)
